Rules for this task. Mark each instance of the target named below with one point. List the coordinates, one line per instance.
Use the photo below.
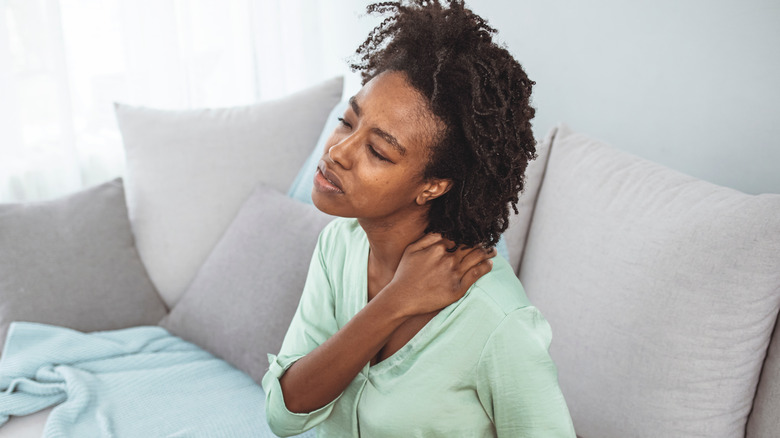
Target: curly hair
(482, 95)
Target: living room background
(691, 84)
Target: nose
(341, 151)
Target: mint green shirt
(479, 368)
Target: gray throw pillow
(243, 298)
(72, 262)
(661, 290)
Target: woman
(408, 325)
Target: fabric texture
(188, 172)
(663, 291)
(764, 419)
(242, 299)
(480, 367)
(140, 381)
(73, 262)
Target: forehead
(391, 104)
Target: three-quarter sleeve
(517, 381)
(313, 323)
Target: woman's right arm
(313, 323)
(428, 279)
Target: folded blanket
(136, 382)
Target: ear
(433, 189)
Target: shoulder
(500, 298)
(500, 290)
(524, 330)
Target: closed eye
(377, 154)
(371, 149)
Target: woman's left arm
(518, 381)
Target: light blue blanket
(137, 382)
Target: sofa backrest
(662, 291)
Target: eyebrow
(378, 131)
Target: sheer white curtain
(64, 62)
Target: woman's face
(373, 163)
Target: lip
(326, 179)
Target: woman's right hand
(430, 278)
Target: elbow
(296, 407)
(288, 415)
(293, 403)
(281, 420)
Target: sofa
(662, 290)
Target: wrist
(393, 307)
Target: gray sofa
(662, 291)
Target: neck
(389, 238)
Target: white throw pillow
(189, 172)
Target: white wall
(692, 84)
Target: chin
(325, 205)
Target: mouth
(326, 180)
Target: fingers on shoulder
(473, 271)
(475, 256)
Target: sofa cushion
(188, 172)
(662, 292)
(243, 298)
(72, 262)
(765, 417)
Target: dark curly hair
(479, 91)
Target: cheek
(374, 189)
(388, 188)
(385, 181)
